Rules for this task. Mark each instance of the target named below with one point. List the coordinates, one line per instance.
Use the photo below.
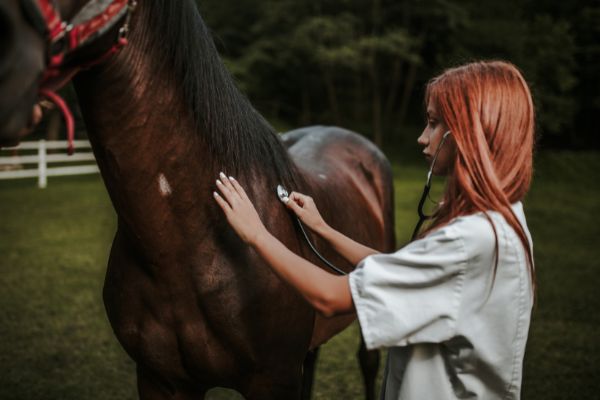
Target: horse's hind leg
(152, 387)
(308, 373)
(369, 365)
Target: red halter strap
(64, 38)
(68, 116)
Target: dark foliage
(363, 64)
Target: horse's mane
(238, 137)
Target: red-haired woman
(453, 306)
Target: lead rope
(67, 115)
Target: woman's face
(430, 140)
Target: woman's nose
(423, 140)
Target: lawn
(56, 343)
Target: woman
(453, 306)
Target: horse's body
(189, 302)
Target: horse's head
(43, 43)
(22, 62)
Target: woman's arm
(304, 207)
(328, 294)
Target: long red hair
(489, 110)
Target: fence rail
(43, 161)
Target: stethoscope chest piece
(282, 193)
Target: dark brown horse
(189, 302)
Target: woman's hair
(488, 108)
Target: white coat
(452, 329)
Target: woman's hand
(304, 207)
(238, 209)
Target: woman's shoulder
(481, 231)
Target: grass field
(56, 343)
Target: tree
(365, 63)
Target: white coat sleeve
(412, 295)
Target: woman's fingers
(300, 199)
(221, 202)
(232, 185)
(296, 204)
(238, 187)
(225, 180)
(231, 189)
(291, 203)
(294, 197)
(228, 193)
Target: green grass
(56, 343)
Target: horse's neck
(158, 168)
(143, 140)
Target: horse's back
(322, 146)
(350, 180)
(349, 172)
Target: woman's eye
(431, 122)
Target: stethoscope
(283, 195)
(422, 216)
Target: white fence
(14, 166)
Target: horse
(190, 303)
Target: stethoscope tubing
(426, 189)
(330, 265)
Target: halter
(63, 39)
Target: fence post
(42, 165)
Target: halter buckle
(124, 30)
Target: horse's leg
(153, 387)
(308, 373)
(369, 365)
(274, 386)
